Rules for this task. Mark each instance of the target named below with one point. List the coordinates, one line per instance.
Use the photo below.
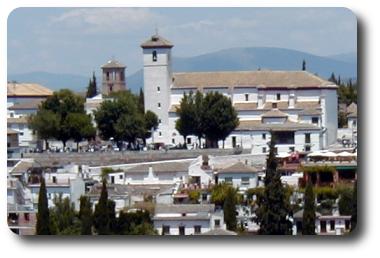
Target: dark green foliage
(45, 123)
(186, 116)
(219, 118)
(211, 116)
(229, 209)
(92, 89)
(219, 193)
(273, 212)
(63, 218)
(101, 214)
(54, 120)
(80, 127)
(346, 202)
(43, 215)
(304, 65)
(308, 220)
(141, 101)
(85, 215)
(123, 119)
(354, 216)
(342, 119)
(135, 223)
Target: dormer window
(154, 56)
(278, 96)
(274, 105)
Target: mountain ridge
(232, 59)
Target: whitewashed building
(299, 107)
(187, 219)
(238, 175)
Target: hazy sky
(80, 40)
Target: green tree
(46, 124)
(63, 218)
(43, 215)
(101, 214)
(229, 209)
(85, 215)
(198, 129)
(141, 101)
(62, 103)
(151, 124)
(186, 116)
(304, 65)
(354, 216)
(345, 203)
(135, 223)
(219, 118)
(121, 119)
(273, 213)
(80, 127)
(92, 88)
(308, 220)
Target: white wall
(237, 179)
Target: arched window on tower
(154, 56)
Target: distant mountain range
(234, 59)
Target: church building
(299, 107)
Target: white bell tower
(157, 81)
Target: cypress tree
(85, 215)
(141, 101)
(101, 215)
(92, 89)
(229, 209)
(43, 216)
(354, 216)
(273, 213)
(308, 220)
(304, 65)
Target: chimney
(291, 100)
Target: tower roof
(113, 64)
(156, 41)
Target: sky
(80, 40)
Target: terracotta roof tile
(257, 125)
(27, 90)
(260, 79)
(157, 41)
(238, 167)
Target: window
(197, 229)
(160, 133)
(354, 123)
(307, 148)
(278, 96)
(332, 224)
(159, 104)
(246, 97)
(233, 141)
(314, 120)
(307, 137)
(122, 76)
(112, 179)
(54, 180)
(228, 180)
(107, 76)
(165, 230)
(181, 230)
(159, 121)
(120, 176)
(264, 149)
(111, 88)
(158, 89)
(26, 216)
(204, 196)
(217, 223)
(188, 140)
(245, 180)
(173, 141)
(347, 224)
(291, 149)
(154, 56)
(264, 136)
(323, 226)
(285, 137)
(274, 105)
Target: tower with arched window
(113, 77)
(157, 81)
